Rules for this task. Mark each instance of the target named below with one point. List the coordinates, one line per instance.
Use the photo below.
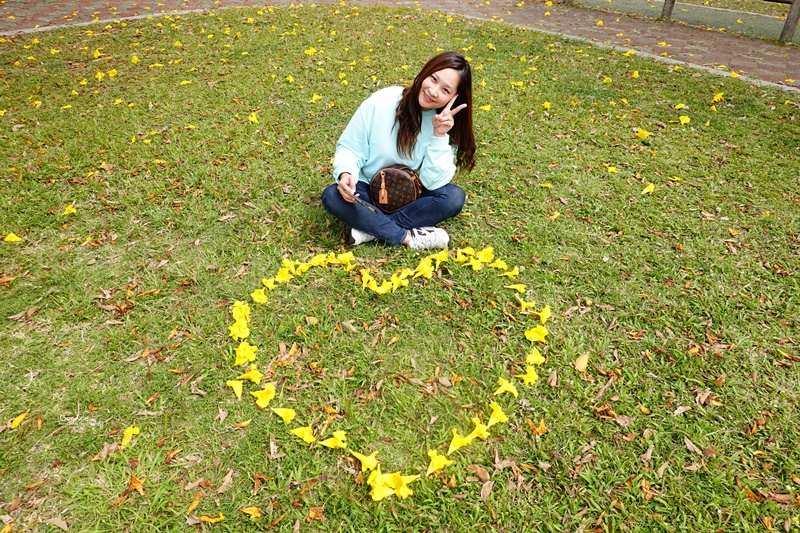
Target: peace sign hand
(443, 121)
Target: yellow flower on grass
(486, 107)
(366, 277)
(236, 385)
(12, 238)
(463, 254)
(240, 311)
(611, 170)
(398, 282)
(385, 485)
(718, 98)
(424, 269)
(535, 357)
(239, 330)
(642, 134)
(384, 288)
(253, 118)
(69, 210)
(17, 420)
(283, 276)
(458, 442)
(475, 263)
(519, 287)
(499, 264)
(259, 296)
(506, 386)
(511, 274)
(649, 189)
(529, 377)
(635, 74)
(212, 519)
(310, 51)
(437, 463)
(127, 436)
(537, 334)
(545, 314)
(304, 433)
(486, 255)
(546, 105)
(315, 98)
(481, 430)
(497, 416)
(368, 462)
(684, 119)
(287, 415)
(440, 257)
(252, 512)
(338, 440)
(134, 60)
(269, 283)
(253, 375)
(523, 305)
(264, 396)
(245, 353)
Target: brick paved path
(757, 60)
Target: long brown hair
(409, 113)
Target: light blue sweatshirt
(369, 143)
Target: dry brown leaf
(486, 490)
(226, 483)
(108, 448)
(273, 449)
(694, 468)
(691, 447)
(58, 522)
(553, 379)
(479, 472)
(348, 326)
(646, 456)
(682, 409)
(662, 469)
(193, 485)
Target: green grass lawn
(193, 151)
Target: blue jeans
(431, 208)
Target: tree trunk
(666, 13)
(791, 22)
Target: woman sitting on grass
(427, 124)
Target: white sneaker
(427, 238)
(356, 237)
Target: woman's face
(439, 88)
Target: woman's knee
(456, 198)
(329, 198)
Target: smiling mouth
(428, 98)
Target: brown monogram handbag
(394, 187)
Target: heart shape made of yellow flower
(384, 485)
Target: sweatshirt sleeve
(439, 167)
(353, 147)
